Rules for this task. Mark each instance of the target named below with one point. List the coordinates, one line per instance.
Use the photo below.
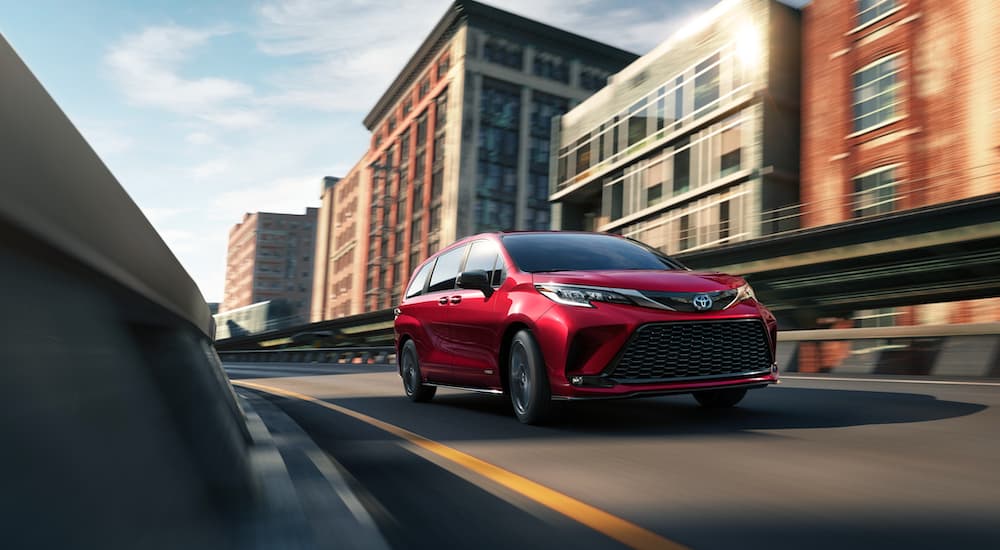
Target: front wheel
(720, 399)
(409, 368)
(529, 382)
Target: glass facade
(682, 100)
(499, 141)
(712, 220)
(698, 160)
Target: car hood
(655, 280)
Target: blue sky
(207, 110)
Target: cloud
(353, 50)
(146, 66)
(160, 215)
(199, 138)
(210, 169)
(104, 138)
(289, 195)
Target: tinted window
(483, 255)
(535, 252)
(446, 269)
(417, 283)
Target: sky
(207, 110)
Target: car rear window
(539, 252)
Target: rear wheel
(529, 383)
(720, 399)
(409, 368)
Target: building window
(435, 220)
(552, 67)
(679, 100)
(407, 106)
(870, 10)
(661, 108)
(617, 200)
(443, 67)
(724, 222)
(504, 53)
(422, 130)
(415, 230)
(876, 97)
(686, 233)
(404, 147)
(730, 159)
(425, 86)
(437, 183)
(593, 79)
(583, 154)
(874, 192)
(682, 168)
(706, 83)
(637, 123)
(441, 111)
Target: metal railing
(375, 355)
(943, 351)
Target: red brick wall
(946, 139)
(947, 142)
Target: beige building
(338, 289)
(270, 257)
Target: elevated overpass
(937, 253)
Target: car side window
(446, 270)
(485, 256)
(416, 287)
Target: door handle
(456, 299)
(443, 301)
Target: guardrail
(962, 351)
(380, 355)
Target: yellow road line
(613, 526)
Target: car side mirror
(477, 279)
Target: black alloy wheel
(409, 369)
(530, 395)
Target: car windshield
(540, 252)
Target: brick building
(899, 110)
(340, 236)
(270, 257)
(460, 140)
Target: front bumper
(582, 348)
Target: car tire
(409, 370)
(720, 399)
(530, 395)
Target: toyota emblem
(702, 302)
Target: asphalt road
(807, 464)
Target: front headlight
(581, 296)
(744, 293)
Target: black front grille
(684, 350)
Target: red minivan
(567, 315)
